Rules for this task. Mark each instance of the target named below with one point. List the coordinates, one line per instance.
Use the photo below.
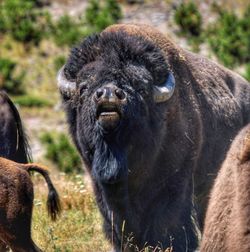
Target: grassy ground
(79, 226)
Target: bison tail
(53, 200)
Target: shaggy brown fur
(227, 224)
(16, 199)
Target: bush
(188, 18)
(114, 9)
(31, 101)
(229, 37)
(100, 14)
(66, 31)
(20, 19)
(9, 81)
(62, 152)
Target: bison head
(115, 88)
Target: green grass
(31, 101)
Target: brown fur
(227, 224)
(16, 200)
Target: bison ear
(165, 92)
(67, 88)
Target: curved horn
(66, 87)
(163, 93)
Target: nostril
(120, 94)
(99, 92)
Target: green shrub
(114, 9)
(10, 81)
(229, 37)
(67, 31)
(21, 19)
(31, 101)
(100, 14)
(61, 152)
(188, 18)
(91, 12)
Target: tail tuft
(53, 204)
(53, 200)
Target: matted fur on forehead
(117, 49)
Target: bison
(16, 201)
(152, 123)
(227, 222)
(13, 142)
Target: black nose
(111, 93)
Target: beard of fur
(109, 162)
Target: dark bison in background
(227, 222)
(16, 203)
(152, 123)
(13, 142)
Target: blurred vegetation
(62, 152)
(34, 45)
(188, 17)
(25, 22)
(100, 14)
(22, 20)
(67, 31)
(228, 36)
(31, 101)
(9, 80)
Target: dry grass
(80, 226)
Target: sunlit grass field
(79, 228)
